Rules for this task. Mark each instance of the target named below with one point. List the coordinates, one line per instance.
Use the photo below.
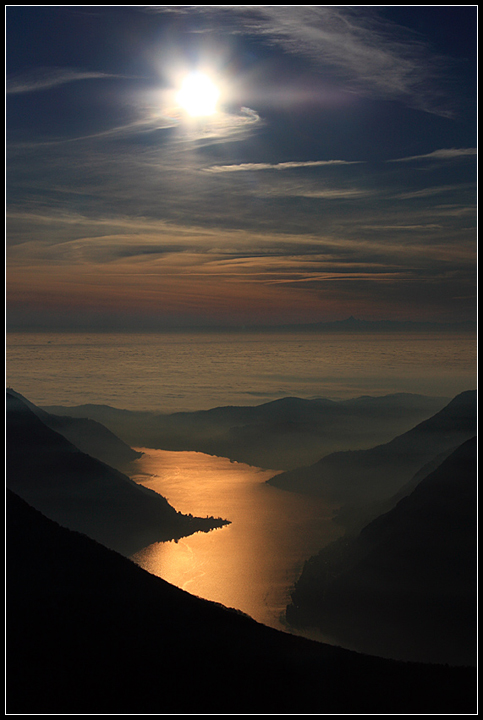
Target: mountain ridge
(364, 476)
(85, 494)
(406, 585)
(87, 435)
(281, 434)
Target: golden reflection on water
(250, 564)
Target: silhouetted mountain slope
(364, 476)
(89, 632)
(87, 435)
(405, 587)
(83, 493)
(282, 434)
(356, 516)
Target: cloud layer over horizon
(354, 192)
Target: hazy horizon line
(347, 324)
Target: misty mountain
(282, 434)
(83, 493)
(361, 477)
(405, 587)
(90, 632)
(87, 435)
(355, 516)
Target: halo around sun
(198, 95)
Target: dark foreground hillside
(89, 632)
(405, 587)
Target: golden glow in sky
(198, 95)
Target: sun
(198, 95)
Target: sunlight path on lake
(250, 564)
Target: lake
(250, 564)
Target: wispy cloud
(404, 228)
(58, 238)
(295, 190)
(254, 167)
(48, 77)
(364, 51)
(137, 127)
(85, 267)
(367, 52)
(442, 154)
(431, 191)
(219, 128)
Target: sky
(335, 176)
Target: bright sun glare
(198, 95)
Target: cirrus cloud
(442, 154)
(46, 78)
(244, 167)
